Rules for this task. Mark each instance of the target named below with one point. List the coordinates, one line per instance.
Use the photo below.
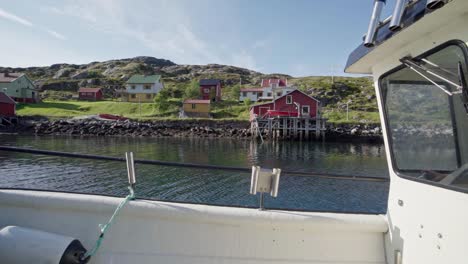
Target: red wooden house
(210, 89)
(274, 82)
(93, 94)
(7, 106)
(293, 104)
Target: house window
(133, 96)
(244, 94)
(147, 87)
(289, 99)
(278, 94)
(269, 94)
(133, 87)
(148, 96)
(305, 109)
(194, 106)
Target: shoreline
(369, 133)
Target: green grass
(355, 117)
(79, 108)
(226, 110)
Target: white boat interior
(425, 221)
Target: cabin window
(269, 94)
(427, 121)
(278, 94)
(305, 109)
(289, 99)
(194, 106)
(147, 87)
(244, 94)
(133, 87)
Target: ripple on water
(19, 170)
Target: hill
(59, 81)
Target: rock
(62, 73)
(80, 75)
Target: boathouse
(292, 104)
(294, 114)
(197, 108)
(94, 94)
(210, 89)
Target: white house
(270, 90)
(143, 88)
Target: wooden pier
(279, 128)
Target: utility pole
(139, 104)
(347, 111)
(333, 74)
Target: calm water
(204, 186)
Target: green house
(19, 87)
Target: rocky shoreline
(179, 129)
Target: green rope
(104, 228)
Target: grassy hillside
(76, 108)
(59, 82)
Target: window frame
(401, 174)
(289, 99)
(302, 109)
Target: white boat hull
(161, 232)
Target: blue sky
(296, 37)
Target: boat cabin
(419, 61)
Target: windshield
(428, 126)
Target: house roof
(279, 82)
(210, 82)
(144, 79)
(196, 101)
(252, 90)
(9, 77)
(295, 90)
(89, 90)
(6, 99)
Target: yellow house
(142, 88)
(197, 108)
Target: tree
(235, 92)
(162, 100)
(247, 103)
(192, 90)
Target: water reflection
(202, 186)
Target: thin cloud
(55, 34)
(13, 18)
(16, 19)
